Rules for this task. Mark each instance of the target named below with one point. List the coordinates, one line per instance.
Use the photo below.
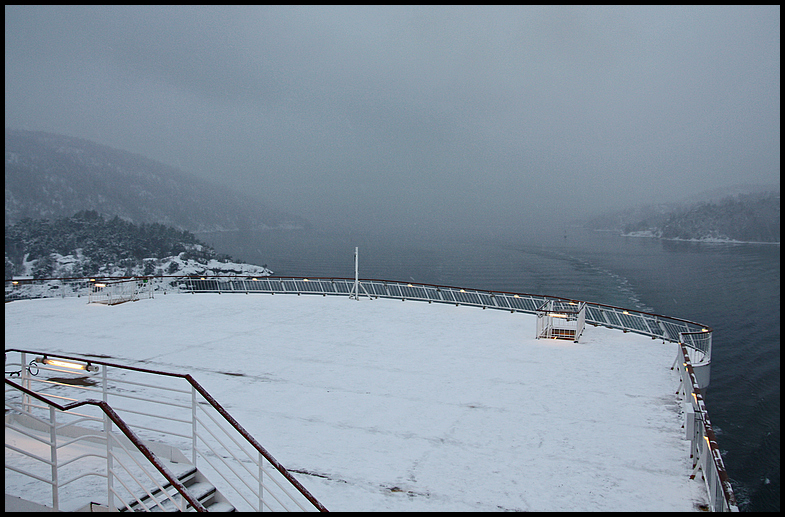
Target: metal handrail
(119, 291)
(251, 440)
(125, 429)
(703, 441)
(628, 320)
(694, 338)
(196, 387)
(650, 324)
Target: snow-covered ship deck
(379, 404)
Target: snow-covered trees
(94, 242)
(753, 217)
(749, 218)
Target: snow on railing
(155, 405)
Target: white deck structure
(384, 405)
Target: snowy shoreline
(647, 234)
(66, 265)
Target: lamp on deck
(66, 364)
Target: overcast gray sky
(414, 116)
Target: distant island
(751, 218)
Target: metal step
(198, 486)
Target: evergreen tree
(44, 267)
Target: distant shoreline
(649, 235)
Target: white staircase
(25, 433)
(155, 441)
(199, 487)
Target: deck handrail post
(53, 457)
(104, 386)
(25, 376)
(109, 461)
(261, 485)
(193, 426)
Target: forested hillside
(86, 244)
(746, 217)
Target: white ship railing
(704, 451)
(698, 338)
(695, 339)
(626, 320)
(120, 291)
(167, 411)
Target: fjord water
(733, 288)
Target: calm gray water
(735, 289)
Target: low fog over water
(415, 118)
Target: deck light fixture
(67, 364)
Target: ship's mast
(355, 289)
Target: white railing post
(25, 375)
(53, 457)
(109, 461)
(104, 383)
(581, 320)
(108, 436)
(193, 426)
(707, 353)
(261, 485)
